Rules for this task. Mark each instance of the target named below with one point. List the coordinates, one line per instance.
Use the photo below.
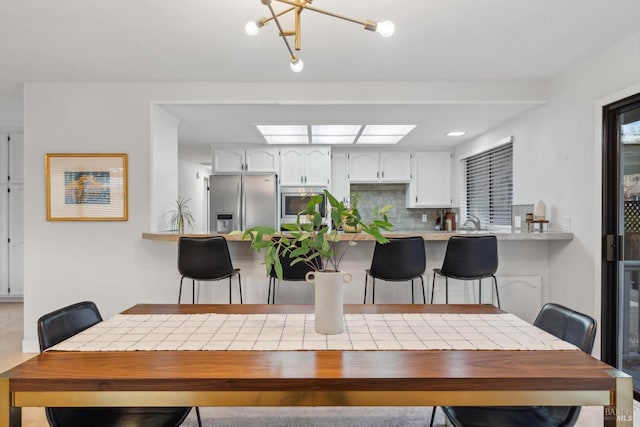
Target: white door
(226, 160)
(291, 166)
(363, 167)
(262, 160)
(317, 166)
(339, 184)
(431, 184)
(395, 167)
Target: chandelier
(385, 28)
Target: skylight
(334, 134)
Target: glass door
(621, 237)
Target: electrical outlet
(424, 217)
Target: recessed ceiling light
(283, 129)
(337, 130)
(332, 139)
(334, 134)
(456, 133)
(387, 129)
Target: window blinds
(489, 185)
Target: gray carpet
(315, 417)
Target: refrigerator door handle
(244, 205)
(239, 205)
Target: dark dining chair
(65, 322)
(562, 322)
(290, 273)
(205, 259)
(399, 260)
(469, 258)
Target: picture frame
(86, 187)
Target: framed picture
(86, 187)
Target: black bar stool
(205, 259)
(469, 258)
(401, 259)
(293, 273)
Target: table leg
(9, 416)
(620, 413)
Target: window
(489, 185)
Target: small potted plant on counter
(311, 237)
(181, 216)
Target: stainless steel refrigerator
(238, 202)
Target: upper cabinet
(310, 166)
(339, 183)
(431, 183)
(239, 160)
(385, 166)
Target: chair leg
(373, 290)
(479, 291)
(446, 287)
(433, 416)
(240, 288)
(433, 286)
(230, 289)
(198, 416)
(424, 298)
(180, 292)
(366, 276)
(495, 284)
(413, 301)
(269, 290)
(193, 291)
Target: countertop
(430, 236)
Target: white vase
(329, 300)
(539, 211)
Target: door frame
(609, 295)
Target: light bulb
(297, 65)
(251, 28)
(386, 28)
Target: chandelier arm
(284, 38)
(284, 12)
(322, 11)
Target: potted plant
(181, 216)
(310, 238)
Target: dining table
(315, 377)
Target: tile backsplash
(403, 219)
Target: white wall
(557, 158)
(192, 186)
(108, 262)
(11, 106)
(164, 168)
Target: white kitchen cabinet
(239, 160)
(308, 166)
(373, 166)
(339, 182)
(431, 182)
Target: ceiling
(204, 41)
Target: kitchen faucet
(474, 220)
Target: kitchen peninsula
(525, 260)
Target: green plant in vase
(311, 238)
(181, 216)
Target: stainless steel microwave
(295, 199)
